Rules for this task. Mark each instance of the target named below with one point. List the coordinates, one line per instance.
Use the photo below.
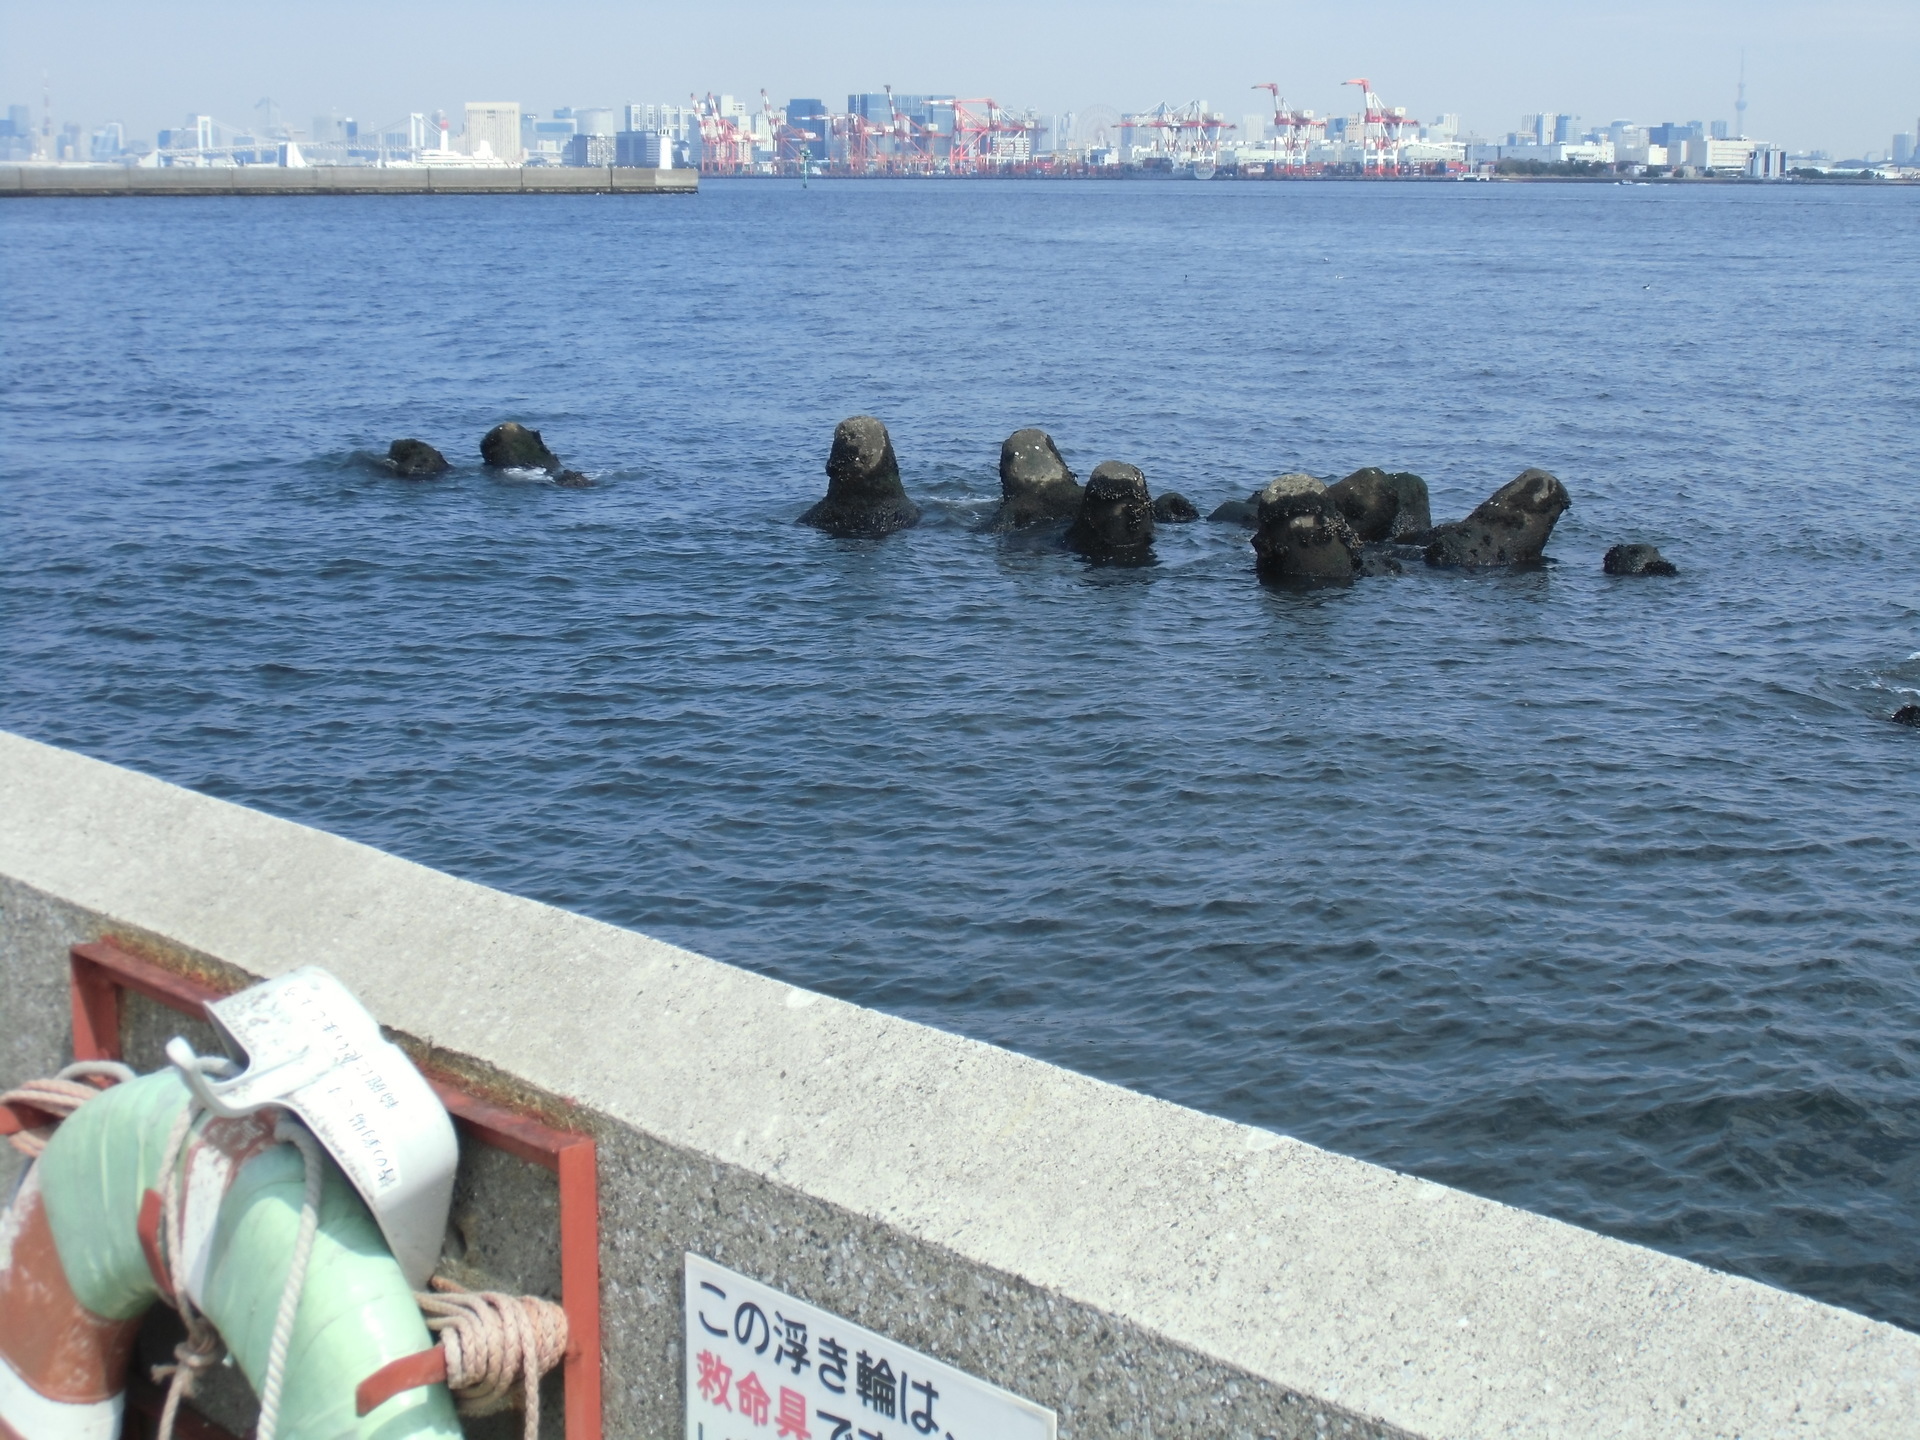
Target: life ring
(80, 1266)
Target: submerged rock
(1173, 508)
(1115, 521)
(1510, 527)
(413, 458)
(572, 480)
(1907, 715)
(1637, 560)
(1383, 505)
(1302, 534)
(1238, 512)
(864, 494)
(1035, 484)
(513, 446)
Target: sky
(1841, 75)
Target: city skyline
(1810, 82)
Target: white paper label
(764, 1366)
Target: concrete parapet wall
(1142, 1269)
(45, 180)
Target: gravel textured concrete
(1143, 1269)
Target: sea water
(1597, 896)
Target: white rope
(202, 1348)
(293, 1132)
(498, 1346)
(59, 1097)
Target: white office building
(496, 125)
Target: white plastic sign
(312, 1048)
(762, 1365)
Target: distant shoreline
(45, 181)
(41, 181)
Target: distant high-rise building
(591, 149)
(594, 120)
(109, 141)
(494, 124)
(1903, 149)
(1719, 130)
(809, 117)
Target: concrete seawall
(46, 180)
(1141, 1269)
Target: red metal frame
(102, 974)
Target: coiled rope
(59, 1097)
(498, 1346)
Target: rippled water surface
(1601, 897)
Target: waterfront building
(643, 149)
(1723, 154)
(494, 124)
(593, 150)
(547, 140)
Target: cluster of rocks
(510, 446)
(1304, 529)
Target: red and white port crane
(1294, 130)
(986, 137)
(726, 146)
(1381, 131)
(791, 144)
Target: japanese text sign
(764, 1366)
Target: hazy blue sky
(1842, 75)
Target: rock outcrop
(513, 446)
(1509, 528)
(1173, 508)
(412, 459)
(1907, 715)
(864, 494)
(572, 480)
(1302, 535)
(1238, 512)
(1383, 505)
(1036, 487)
(1115, 520)
(1637, 560)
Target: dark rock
(1035, 484)
(572, 480)
(1383, 505)
(1378, 560)
(864, 494)
(1173, 508)
(1637, 560)
(413, 458)
(1239, 512)
(1302, 534)
(1509, 528)
(1907, 715)
(1115, 521)
(514, 447)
